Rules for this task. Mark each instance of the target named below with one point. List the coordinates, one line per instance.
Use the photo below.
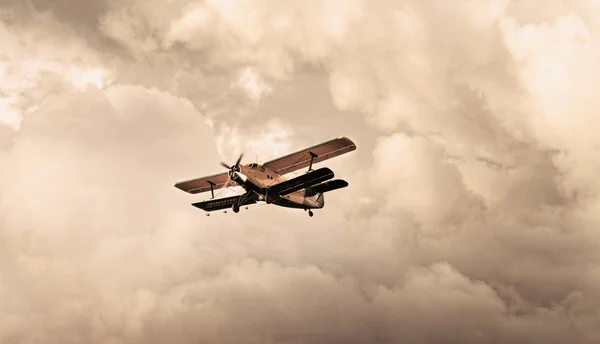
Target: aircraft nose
(240, 176)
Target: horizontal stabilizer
(301, 182)
(226, 202)
(330, 185)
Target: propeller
(232, 169)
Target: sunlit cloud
(8, 115)
(264, 143)
(92, 77)
(252, 84)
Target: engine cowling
(238, 177)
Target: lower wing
(299, 183)
(329, 186)
(226, 202)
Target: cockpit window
(257, 167)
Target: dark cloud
(82, 14)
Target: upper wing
(301, 159)
(226, 202)
(198, 185)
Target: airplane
(267, 183)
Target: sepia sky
(472, 215)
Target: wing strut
(312, 157)
(212, 188)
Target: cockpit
(257, 167)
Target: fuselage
(259, 177)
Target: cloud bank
(471, 216)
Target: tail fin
(314, 200)
(321, 199)
(316, 193)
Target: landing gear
(235, 207)
(310, 213)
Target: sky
(472, 214)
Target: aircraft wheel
(310, 213)
(235, 208)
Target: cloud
(88, 167)
(418, 179)
(332, 309)
(471, 214)
(32, 69)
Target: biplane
(267, 182)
